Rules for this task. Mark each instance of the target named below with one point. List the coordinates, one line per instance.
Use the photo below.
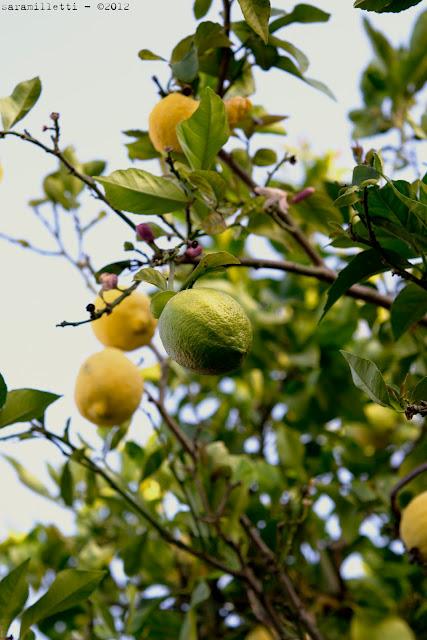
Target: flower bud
(144, 232)
(54, 116)
(303, 195)
(108, 281)
(194, 250)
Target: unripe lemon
(413, 525)
(108, 388)
(392, 628)
(383, 418)
(165, 117)
(206, 331)
(237, 109)
(129, 326)
(259, 633)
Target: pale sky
(91, 74)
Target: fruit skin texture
(259, 633)
(205, 331)
(392, 628)
(413, 525)
(237, 108)
(165, 117)
(380, 417)
(130, 325)
(108, 388)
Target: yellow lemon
(165, 117)
(413, 525)
(129, 326)
(380, 417)
(391, 628)
(237, 109)
(260, 633)
(206, 331)
(108, 388)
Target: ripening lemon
(237, 109)
(108, 388)
(206, 331)
(391, 628)
(413, 525)
(259, 633)
(129, 326)
(165, 117)
(383, 418)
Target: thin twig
(422, 468)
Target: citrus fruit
(165, 117)
(205, 331)
(413, 525)
(383, 418)
(237, 109)
(391, 628)
(259, 633)
(108, 388)
(129, 326)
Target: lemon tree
(256, 464)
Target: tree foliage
(256, 490)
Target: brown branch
(87, 180)
(226, 54)
(357, 291)
(182, 438)
(297, 605)
(288, 223)
(95, 315)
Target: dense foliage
(256, 488)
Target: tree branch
(87, 180)
(422, 468)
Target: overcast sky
(91, 74)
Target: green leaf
(141, 192)
(264, 158)
(303, 13)
(152, 276)
(364, 264)
(383, 49)
(210, 35)
(200, 594)
(153, 463)
(364, 174)
(186, 69)
(67, 485)
(3, 391)
(419, 393)
(70, 587)
(146, 54)
(409, 306)
(257, 15)
(349, 197)
(205, 132)
(385, 6)
(200, 8)
(286, 64)
(159, 301)
(23, 405)
(416, 62)
(13, 596)
(23, 98)
(297, 54)
(27, 478)
(142, 148)
(367, 377)
(114, 267)
(209, 263)
(417, 207)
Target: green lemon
(205, 331)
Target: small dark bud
(194, 250)
(144, 232)
(54, 116)
(90, 308)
